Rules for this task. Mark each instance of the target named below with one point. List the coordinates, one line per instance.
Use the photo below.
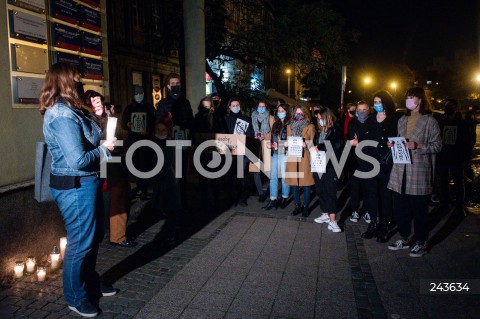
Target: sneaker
(85, 309)
(355, 217)
(418, 250)
(434, 198)
(108, 290)
(324, 218)
(367, 218)
(399, 244)
(333, 226)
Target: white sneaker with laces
(333, 226)
(398, 245)
(355, 217)
(324, 218)
(418, 250)
(367, 218)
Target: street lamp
(394, 87)
(366, 81)
(477, 80)
(288, 71)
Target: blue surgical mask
(261, 110)
(281, 115)
(378, 107)
(322, 123)
(235, 109)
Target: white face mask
(161, 137)
(235, 109)
(138, 98)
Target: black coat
(181, 110)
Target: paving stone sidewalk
(251, 264)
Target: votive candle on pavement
(55, 257)
(41, 273)
(30, 264)
(63, 245)
(18, 269)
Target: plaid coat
(419, 174)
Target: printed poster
(400, 153)
(241, 127)
(295, 146)
(139, 122)
(318, 161)
(450, 134)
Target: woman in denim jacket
(73, 140)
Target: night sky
(411, 32)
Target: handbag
(43, 166)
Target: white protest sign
(241, 127)
(318, 161)
(179, 134)
(400, 153)
(139, 122)
(295, 146)
(111, 127)
(236, 143)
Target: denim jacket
(73, 141)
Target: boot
(271, 204)
(305, 211)
(298, 210)
(382, 235)
(372, 230)
(282, 202)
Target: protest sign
(295, 146)
(400, 153)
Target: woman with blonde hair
(73, 140)
(298, 173)
(326, 183)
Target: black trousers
(378, 198)
(408, 206)
(456, 169)
(326, 188)
(355, 189)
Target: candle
(63, 245)
(41, 273)
(18, 269)
(55, 257)
(30, 264)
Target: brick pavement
(251, 264)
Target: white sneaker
(355, 217)
(324, 218)
(333, 226)
(367, 218)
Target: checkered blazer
(419, 174)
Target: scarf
(298, 126)
(262, 120)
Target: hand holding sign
(400, 153)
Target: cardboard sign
(241, 127)
(400, 153)
(267, 159)
(318, 161)
(236, 143)
(295, 146)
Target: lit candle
(63, 245)
(30, 264)
(18, 269)
(55, 257)
(41, 273)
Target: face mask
(175, 89)
(235, 109)
(216, 103)
(161, 137)
(410, 104)
(352, 113)
(378, 107)
(322, 123)
(79, 88)
(261, 110)
(362, 116)
(138, 98)
(281, 115)
(298, 117)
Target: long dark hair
(60, 82)
(425, 107)
(277, 125)
(387, 102)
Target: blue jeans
(306, 195)
(82, 212)
(279, 162)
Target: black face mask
(352, 113)
(175, 89)
(79, 88)
(216, 103)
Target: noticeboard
(92, 69)
(27, 27)
(66, 37)
(37, 6)
(90, 18)
(65, 10)
(91, 43)
(27, 89)
(68, 58)
(29, 59)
